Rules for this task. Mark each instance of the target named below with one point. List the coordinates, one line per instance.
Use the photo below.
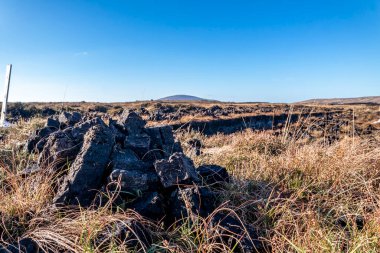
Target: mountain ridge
(182, 97)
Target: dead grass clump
(92, 230)
(20, 200)
(306, 196)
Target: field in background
(183, 112)
(345, 101)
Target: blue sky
(108, 50)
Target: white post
(3, 122)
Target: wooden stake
(6, 91)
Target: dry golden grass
(305, 197)
(302, 195)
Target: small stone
(194, 200)
(139, 143)
(150, 206)
(52, 123)
(125, 159)
(163, 143)
(156, 150)
(119, 135)
(131, 122)
(134, 181)
(177, 170)
(45, 131)
(169, 146)
(69, 119)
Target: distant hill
(183, 98)
(343, 101)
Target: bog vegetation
(302, 195)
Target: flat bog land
(374, 100)
(190, 177)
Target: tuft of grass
(304, 196)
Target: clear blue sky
(108, 50)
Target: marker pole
(6, 91)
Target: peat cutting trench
(257, 122)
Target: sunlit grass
(301, 195)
